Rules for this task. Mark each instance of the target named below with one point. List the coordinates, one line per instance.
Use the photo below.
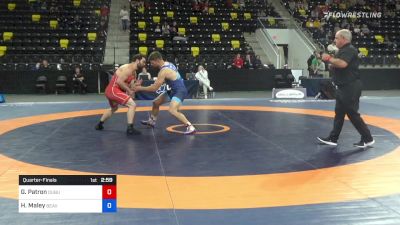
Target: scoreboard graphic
(67, 194)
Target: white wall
(298, 50)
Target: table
(313, 85)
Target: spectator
(173, 30)
(314, 64)
(205, 7)
(237, 62)
(79, 81)
(165, 29)
(389, 43)
(309, 63)
(135, 4)
(144, 75)
(43, 7)
(248, 63)
(257, 62)
(202, 77)
(315, 13)
(320, 71)
(146, 4)
(337, 28)
(317, 65)
(195, 6)
(157, 29)
(124, 15)
(345, 23)
(104, 12)
(45, 65)
(357, 30)
(241, 4)
(376, 23)
(365, 30)
(292, 6)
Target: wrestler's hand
(136, 88)
(138, 82)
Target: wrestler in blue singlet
(178, 90)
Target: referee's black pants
(347, 103)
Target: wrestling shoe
(364, 144)
(99, 126)
(190, 130)
(150, 122)
(327, 141)
(132, 131)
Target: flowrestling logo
(355, 14)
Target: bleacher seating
(209, 35)
(379, 47)
(61, 31)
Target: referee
(346, 76)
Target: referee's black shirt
(351, 73)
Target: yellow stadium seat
(342, 6)
(193, 20)
(160, 43)
(233, 15)
(181, 30)
(216, 37)
(195, 51)
(271, 21)
(211, 10)
(97, 12)
(142, 36)
(309, 24)
(35, 17)
(302, 12)
(235, 44)
(225, 26)
(92, 36)
(11, 6)
(77, 3)
(235, 5)
(53, 24)
(156, 19)
(170, 14)
(7, 36)
(3, 50)
(143, 50)
(379, 38)
(64, 43)
(363, 51)
(247, 16)
(141, 9)
(142, 24)
(317, 23)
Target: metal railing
(271, 43)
